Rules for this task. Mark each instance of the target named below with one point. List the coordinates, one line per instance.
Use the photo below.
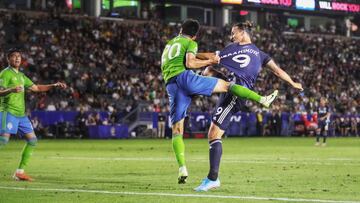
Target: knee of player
(208, 71)
(3, 140)
(223, 86)
(227, 85)
(176, 129)
(32, 141)
(213, 135)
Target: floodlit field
(252, 170)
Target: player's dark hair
(190, 27)
(11, 51)
(247, 26)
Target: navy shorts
(12, 124)
(182, 88)
(227, 106)
(322, 125)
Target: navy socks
(215, 153)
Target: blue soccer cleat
(208, 184)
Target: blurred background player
(245, 60)
(323, 121)
(161, 124)
(182, 84)
(12, 108)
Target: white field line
(225, 160)
(176, 195)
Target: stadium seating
(115, 65)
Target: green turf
(257, 167)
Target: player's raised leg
(238, 90)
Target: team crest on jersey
(9, 126)
(14, 79)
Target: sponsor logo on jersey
(9, 125)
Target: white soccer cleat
(269, 99)
(183, 174)
(208, 184)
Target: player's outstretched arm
(193, 62)
(44, 88)
(205, 56)
(4, 92)
(283, 75)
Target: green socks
(179, 149)
(244, 92)
(3, 141)
(26, 154)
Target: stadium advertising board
(231, 1)
(308, 5)
(339, 6)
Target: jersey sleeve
(27, 82)
(4, 81)
(192, 48)
(265, 58)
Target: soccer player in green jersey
(179, 54)
(12, 108)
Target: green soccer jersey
(173, 56)
(13, 103)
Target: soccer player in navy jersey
(245, 60)
(323, 121)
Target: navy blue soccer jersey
(245, 61)
(322, 111)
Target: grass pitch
(252, 170)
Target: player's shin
(27, 153)
(179, 149)
(244, 92)
(325, 136)
(215, 152)
(317, 137)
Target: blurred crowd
(113, 66)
